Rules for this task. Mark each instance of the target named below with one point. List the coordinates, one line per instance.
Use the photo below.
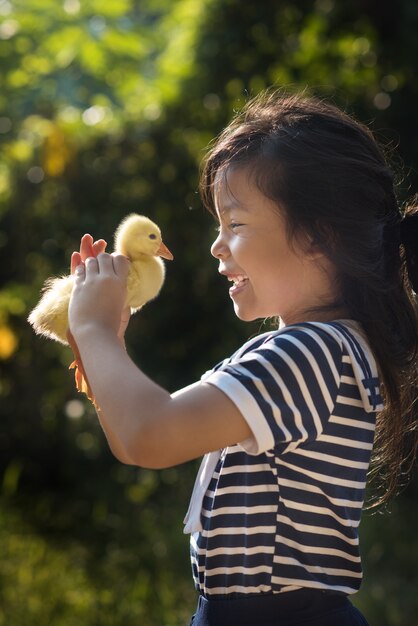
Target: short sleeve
(285, 388)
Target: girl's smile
(239, 283)
(270, 276)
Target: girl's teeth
(238, 279)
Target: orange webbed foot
(80, 377)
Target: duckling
(139, 239)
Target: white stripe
(246, 469)
(349, 443)
(349, 380)
(314, 489)
(281, 580)
(320, 550)
(242, 489)
(353, 423)
(239, 530)
(242, 550)
(316, 569)
(237, 510)
(325, 478)
(237, 589)
(350, 401)
(239, 569)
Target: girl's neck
(325, 314)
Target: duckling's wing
(145, 280)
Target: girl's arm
(144, 424)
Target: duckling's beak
(164, 252)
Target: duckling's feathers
(50, 316)
(145, 279)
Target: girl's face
(270, 277)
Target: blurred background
(107, 108)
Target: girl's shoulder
(340, 332)
(339, 343)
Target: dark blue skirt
(305, 607)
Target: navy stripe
(309, 498)
(252, 479)
(239, 541)
(316, 540)
(236, 560)
(231, 579)
(330, 489)
(351, 433)
(237, 520)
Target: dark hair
(331, 177)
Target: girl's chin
(251, 315)
(245, 315)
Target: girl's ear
(313, 250)
(310, 246)
(322, 239)
(314, 253)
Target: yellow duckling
(139, 239)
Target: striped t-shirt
(282, 508)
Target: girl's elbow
(143, 452)
(121, 454)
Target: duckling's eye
(152, 236)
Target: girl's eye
(232, 226)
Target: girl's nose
(219, 249)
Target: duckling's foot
(80, 377)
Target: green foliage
(45, 580)
(106, 108)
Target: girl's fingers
(86, 247)
(75, 260)
(113, 264)
(120, 265)
(91, 265)
(79, 273)
(99, 246)
(102, 264)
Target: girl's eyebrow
(232, 204)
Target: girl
(310, 232)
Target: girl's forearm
(129, 402)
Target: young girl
(309, 232)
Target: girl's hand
(91, 248)
(99, 294)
